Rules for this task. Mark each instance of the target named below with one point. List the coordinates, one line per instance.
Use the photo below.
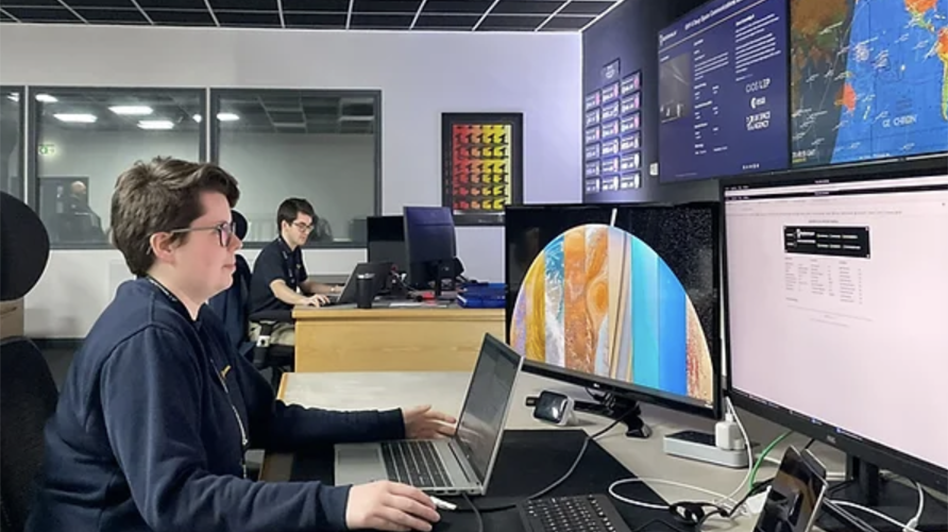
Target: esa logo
(758, 101)
(758, 121)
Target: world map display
(869, 79)
(600, 301)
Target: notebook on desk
(460, 464)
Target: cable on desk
(764, 453)
(477, 513)
(562, 479)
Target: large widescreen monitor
(618, 297)
(869, 80)
(723, 91)
(837, 305)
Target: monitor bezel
(605, 384)
(876, 453)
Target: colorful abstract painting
(599, 300)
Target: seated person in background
(322, 232)
(158, 410)
(279, 280)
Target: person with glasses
(279, 280)
(158, 410)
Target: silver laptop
(449, 466)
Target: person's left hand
(423, 423)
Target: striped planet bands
(599, 300)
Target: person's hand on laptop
(423, 423)
(317, 300)
(389, 506)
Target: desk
(445, 391)
(392, 339)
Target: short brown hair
(161, 195)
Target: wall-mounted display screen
(723, 91)
(869, 80)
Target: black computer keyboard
(415, 463)
(581, 513)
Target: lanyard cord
(240, 423)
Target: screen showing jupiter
(600, 299)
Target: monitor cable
(558, 482)
(695, 513)
(906, 527)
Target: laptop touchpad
(359, 464)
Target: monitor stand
(866, 487)
(617, 407)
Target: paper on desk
(405, 304)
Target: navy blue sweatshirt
(146, 434)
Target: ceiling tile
(245, 5)
(109, 16)
(310, 20)
(254, 19)
(381, 21)
(534, 7)
(172, 4)
(287, 118)
(29, 3)
(442, 22)
(75, 4)
(586, 7)
(316, 6)
(42, 14)
(510, 23)
(185, 18)
(386, 6)
(457, 6)
(571, 23)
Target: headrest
(240, 224)
(24, 248)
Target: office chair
(27, 400)
(27, 391)
(233, 307)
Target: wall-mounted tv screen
(868, 80)
(723, 91)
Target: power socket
(700, 446)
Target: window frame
(21, 139)
(32, 144)
(214, 99)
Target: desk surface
(399, 310)
(445, 391)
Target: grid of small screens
(612, 137)
(752, 86)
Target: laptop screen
(485, 409)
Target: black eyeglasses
(224, 230)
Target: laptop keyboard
(415, 463)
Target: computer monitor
(621, 299)
(385, 240)
(430, 244)
(837, 306)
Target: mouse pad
(529, 460)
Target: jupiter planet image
(599, 300)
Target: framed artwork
(482, 165)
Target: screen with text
(723, 91)
(838, 306)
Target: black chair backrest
(27, 400)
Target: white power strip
(700, 446)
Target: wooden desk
(392, 339)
